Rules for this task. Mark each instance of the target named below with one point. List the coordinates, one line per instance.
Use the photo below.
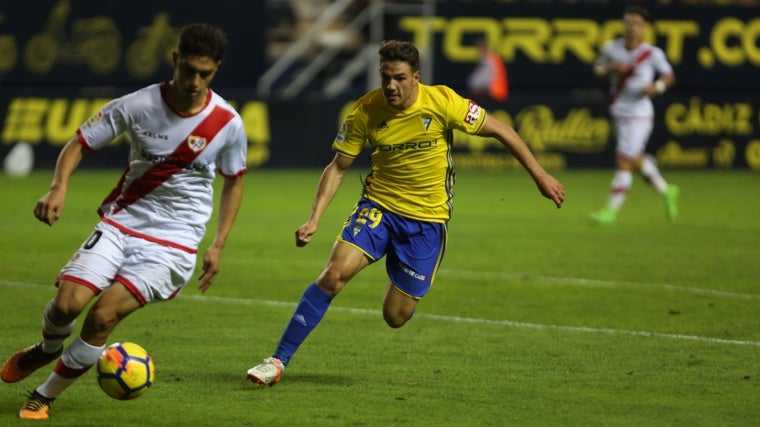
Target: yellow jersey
(412, 171)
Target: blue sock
(310, 310)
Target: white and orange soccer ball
(125, 371)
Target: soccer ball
(125, 371)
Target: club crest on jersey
(92, 121)
(426, 122)
(196, 143)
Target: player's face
(634, 26)
(192, 75)
(399, 83)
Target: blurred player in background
(407, 197)
(632, 66)
(489, 80)
(144, 249)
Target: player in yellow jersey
(406, 201)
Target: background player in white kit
(632, 65)
(145, 247)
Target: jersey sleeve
(660, 62)
(462, 114)
(352, 134)
(104, 126)
(232, 161)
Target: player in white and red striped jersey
(144, 249)
(165, 193)
(637, 71)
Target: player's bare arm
(547, 184)
(50, 206)
(229, 205)
(612, 67)
(329, 183)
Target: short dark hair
(202, 40)
(395, 50)
(638, 10)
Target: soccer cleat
(36, 407)
(267, 373)
(671, 202)
(604, 216)
(26, 361)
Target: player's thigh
(116, 302)
(398, 303)
(113, 305)
(346, 260)
(69, 301)
(398, 307)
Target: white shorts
(149, 270)
(632, 135)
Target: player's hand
(650, 91)
(50, 206)
(211, 261)
(304, 233)
(551, 189)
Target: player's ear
(175, 57)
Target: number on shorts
(373, 216)
(93, 239)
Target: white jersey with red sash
(165, 194)
(646, 62)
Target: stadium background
(60, 60)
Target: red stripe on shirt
(114, 194)
(621, 81)
(182, 156)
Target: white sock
(621, 184)
(76, 360)
(652, 174)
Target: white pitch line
(567, 281)
(453, 319)
(473, 320)
(579, 281)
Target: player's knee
(395, 319)
(62, 312)
(394, 322)
(332, 280)
(101, 320)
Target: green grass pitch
(537, 318)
